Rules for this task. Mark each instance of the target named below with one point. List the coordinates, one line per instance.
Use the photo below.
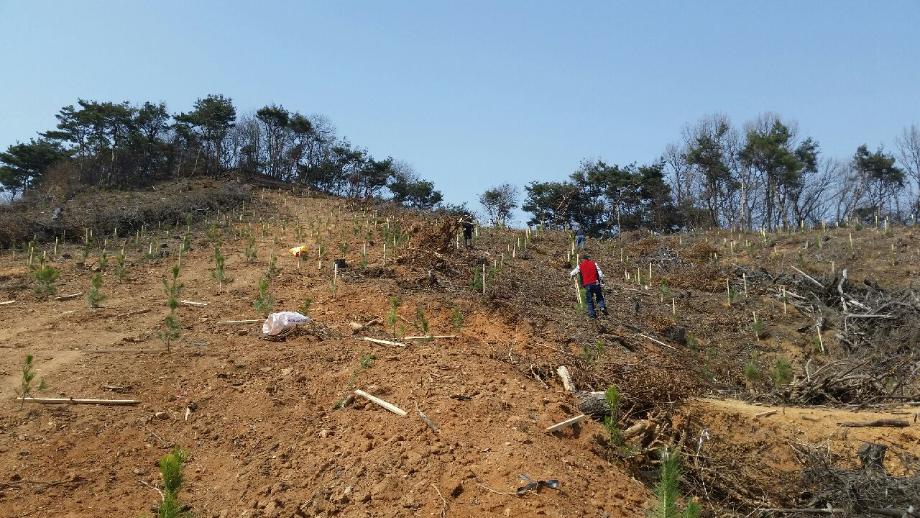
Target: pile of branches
(867, 490)
(877, 332)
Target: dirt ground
(262, 421)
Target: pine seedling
(27, 382)
(103, 260)
(93, 295)
(171, 466)
(612, 420)
(667, 490)
(250, 251)
(421, 321)
(186, 243)
(219, 266)
(264, 300)
(752, 369)
(272, 270)
(171, 288)
(45, 276)
(305, 307)
(393, 315)
(120, 265)
(456, 319)
(782, 372)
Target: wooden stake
(73, 401)
(382, 342)
(483, 278)
(564, 424)
(193, 303)
(820, 340)
(7, 302)
(381, 403)
(250, 321)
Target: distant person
(591, 277)
(579, 237)
(467, 231)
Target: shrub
(752, 369)
(250, 251)
(421, 321)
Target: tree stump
(872, 456)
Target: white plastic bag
(278, 322)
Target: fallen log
(381, 403)
(564, 424)
(382, 342)
(75, 401)
(69, 296)
(809, 277)
(193, 303)
(895, 423)
(429, 337)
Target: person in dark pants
(591, 277)
(579, 237)
(467, 231)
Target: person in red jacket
(591, 277)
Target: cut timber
(659, 342)
(566, 378)
(896, 423)
(193, 303)
(568, 422)
(7, 302)
(592, 403)
(379, 402)
(251, 321)
(809, 277)
(429, 337)
(382, 342)
(74, 401)
(768, 413)
(68, 297)
(638, 429)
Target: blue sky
(477, 93)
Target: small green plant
(782, 372)
(612, 420)
(120, 265)
(760, 329)
(476, 283)
(218, 273)
(272, 270)
(250, 251)
(456, 319)
(421, 321)
(171, 466)
(85, 250)
(365, 362)
(663, 291)
(26, 383)
(45, 276)
(591, 353)
(264, 300)
(752, 369)
(172, 288)
(343, 248)
(93, 295)
(667, 490)
(186, 243)
(393, 314)
(215, 234)
(305, 307)
(103, 262)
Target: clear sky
(477, 93)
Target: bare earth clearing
(260, 421)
